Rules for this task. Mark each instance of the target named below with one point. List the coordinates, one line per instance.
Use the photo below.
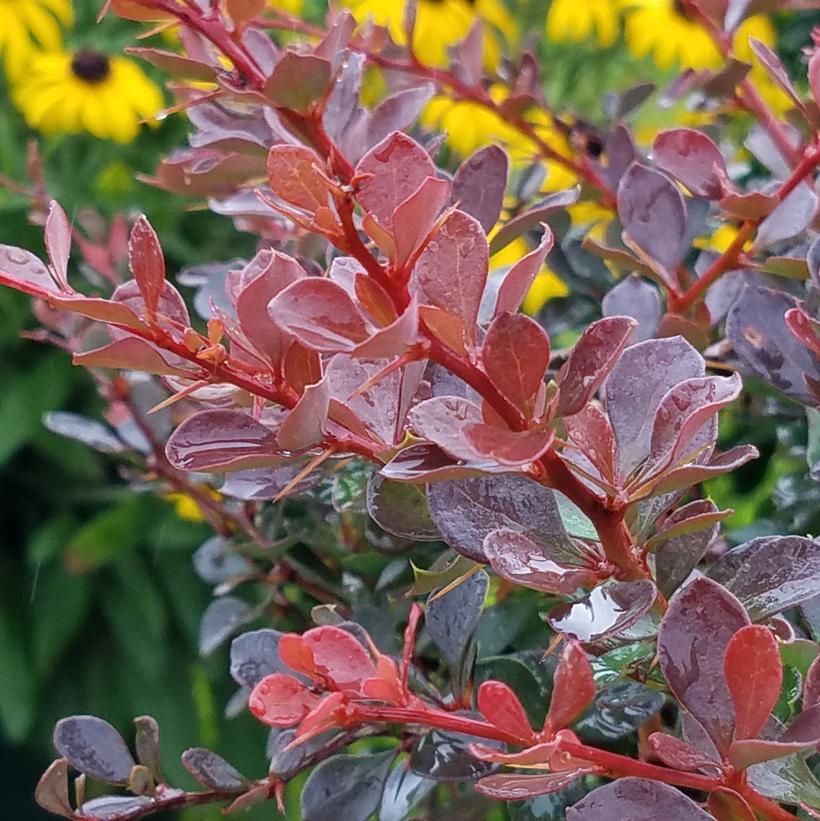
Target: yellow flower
(760, 27)
(661, 29)
(439, 24)
(27, 26)
(468, 125)
(186, 507)
(575, 20)
(720, 240)
(291, 7)
(64, 93)
(547, 283)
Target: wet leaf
(480, 183)
(532, 217)
(790, 218)
(451, 619)
(221, 618)
(58, 242)
(296, 176)
(693, 159)
(354, 783)
(255, 655)
(212, 771)
(636, 799)
(403, 790)
(692, 641)
(770, 574)
(280, 700)
(785, 779)
(401, 509)
(499, 704)
(512, 787)
(216, 561)
(573, 688)
(146, 262)
(518, 280)
(112, 807)
(305, 426)
(94, 747)
(82, 429)
(446, 757)
(679, 755)
(635, 297)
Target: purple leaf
(517, 558)
(519, 278)
(811, 686)
(790, 218)
(451, 272)
(688, 475)
(21, 270)
(756, 328)
(770, 574)
(636, 799)
(264, 484)
(397, 112)
(466, 511)
(607, 611)
(635, 297)
(573, 688)
(320, 314)
(590, 430)
(221, 440)
(212, 771)
(536, 215)
(776, 70)
(113, 807)
(93, 747)
(637, 384)
(221, 618)
(389, 173)
(516, 355)
(653, 214)
(58, 243)
(590, 361)
(427, 463)
(169, 306)
(701, 620)
(480, 183)
(691, 157)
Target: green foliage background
(99, 606)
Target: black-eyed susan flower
(27, 26)
(440, 24)
(67, 93)
(572, 21)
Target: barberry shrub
(575, 632)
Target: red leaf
(389, 173)
(678, 754)
(337, 656)
(591, 431)
(520, 277)
(451, 272)
(511, 787)
(515, 557)
(280, 700)
(753, 674)
(480, 183)
(21, 270)
(58, 243)
(320, 314)
(295, 175)
(508, 447)
(589, 362)
(394, 339)
(146, 262)
(414, 218)
(573, 688)
(516, 355)
(500, 706)
(691, 157)
(304, 427)
(133, 354)
(441, 420)
(727, 805)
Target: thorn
(553, 645)
(174, 398)
(303, 473)
(456, 582)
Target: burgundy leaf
(512, 787)
(398, 112)
(534, 216)
(607, 611)
(516, 355)
(176, 65)
(770, 574)
(295, 175)
(147, 264)
(684, 421)
(466, 511)
(389, 173)
(517, 558)
(790, 218)
(635, 297)
(507, 447)
(573, 688)
(264, 277)
(519, 278)
(590, 361)
(451, 272)
(689, 475)
(727, 805)
(643, 375)
(776, 70)
(653, 214)
(691, 157)
(421, 464)
(320, 314)
(221, 440)
(679, 755)
(304, 427)
(500, 706)
(636, 799)
(753, 674)
(590, 430)
(58, 243)
(480, 183)
(415, 217)
(692, 641)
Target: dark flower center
(90, 66)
